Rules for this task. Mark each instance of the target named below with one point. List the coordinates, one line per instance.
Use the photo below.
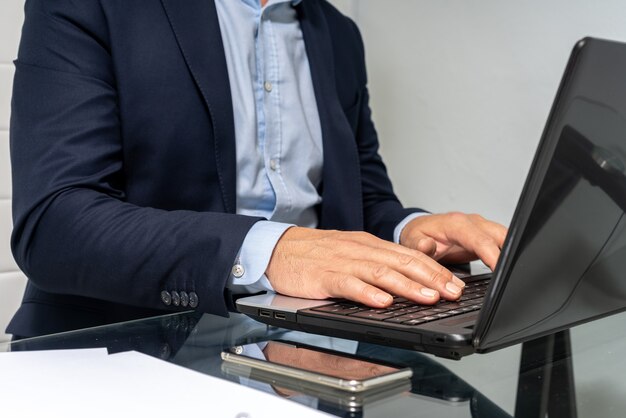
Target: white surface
(12, 286)
(16, 361)
(88, 383)
(461, 90)
(6, 258)
(6, 85)
(11, 17)
(5, 166)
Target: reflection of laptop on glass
(564, 259)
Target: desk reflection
(196, 341)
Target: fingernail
(429, 293)
(382, 298)
(458, 282)
(453, 288)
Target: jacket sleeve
(74, 233)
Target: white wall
(11, 280)
(461, 90)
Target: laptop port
(279, 315)
(264, 313)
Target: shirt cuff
(248, 272)
(398, 230)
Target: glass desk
(581, 372)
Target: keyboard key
(402, 318)
(469, 297)
(428, 312)
(339, 309)
(405, 311)
(398, 319)
(414, 322)
(419, 308)
(401, 305)
(373, 314)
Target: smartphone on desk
(285, 362)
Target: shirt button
(175, 298)
(193, 299)
(184, 299)
(273, 165)
(166, 298)
(238, 270)
(267, 86)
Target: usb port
(279, 315)
(264, 313)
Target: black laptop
(564, 259)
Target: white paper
(69, 383)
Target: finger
(495, 230)
(457, 255)
(473, 239)
(416, 267)
(341, 285)
(384, 277)
(363, 239)
(421, 243)
(484, 247)
(427, 246)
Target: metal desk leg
(546, 378)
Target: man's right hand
(320, 264)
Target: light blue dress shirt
(277, 129)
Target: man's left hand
(455, 238)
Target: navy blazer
(123, 156)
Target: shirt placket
(273, 134)
(268, 202)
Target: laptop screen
(565, 258)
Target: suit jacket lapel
(196, 27)
(342, 202)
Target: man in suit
(169, 155)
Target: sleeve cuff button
(193, 299)
(238, 271)
(166, 298)
(175, 298)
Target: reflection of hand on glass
(323, 363)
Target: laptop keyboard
(403, 311)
